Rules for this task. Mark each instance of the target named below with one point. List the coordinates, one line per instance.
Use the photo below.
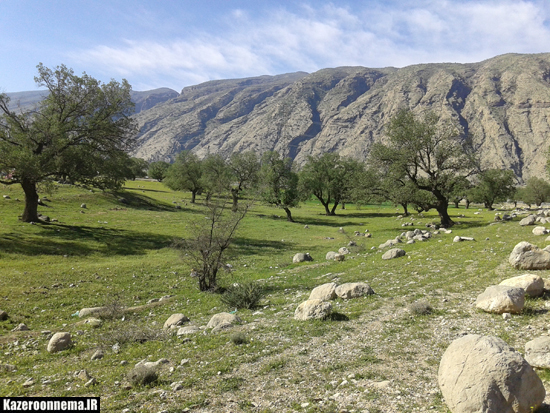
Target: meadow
(374, 355)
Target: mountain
(143, 100)
(503, 103)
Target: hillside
(503, 102)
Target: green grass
(117, 253)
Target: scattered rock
(460, 239)
(152, 364)
(86, 312)
(352, 244)
(339, 257)
(187, 330)
(531, 283)
(21, 327)
(6, 196)
(175, 320)
(526, 256)
(83, 375)
(313, 309)
(330, 255)
(59, 342)
(537, 352)
(301, 257)
(222, 327)
(529, 220)
(343, 251)
(484, 374)
(393, 253)
(91, 382)
(29, 383)
(540, 231)
(83, 206)
(98, 355)
(3, 315)
(325, 292)
(353, 290)
(501, 299)
(221, 318)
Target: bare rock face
(353, 290)
(484, 374)
(223, 318)
(531, 283)
(59, 342)
(325, 292)
(501, 299)
(526, 256)
(313, 310)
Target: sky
(178, 43)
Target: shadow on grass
(249, 246)
(334, 316)
(72, 240)
(132, 200)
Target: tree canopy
(493, 185)
(81, 132)
(185, 174)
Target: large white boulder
(59, 342)
(353, 290)
(223, 318)
(393, 253)
(313, 310)
(531, 283)
(526, 256)
(175, 320)
(325, 292)
(529, 220)
(484, 374)
(501, 299)
(301, 257)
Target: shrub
(142, 376)
(239, 338)
(420, 308)
(245, 295)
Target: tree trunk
(30, 214)
(441, 207)
(456, 203)
(288, 215)
(333, 210)
(405, 209)
(343, 205)
(235, 198)
(467, 203)
(193, 195)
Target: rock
(98, 355)
(152, 364)
(531, 283)
(21, 327)
(501, 299)
(83, 206)
(313, 309)
(306, 227)
(529, 220)
(353, 290)
(91, 382)
(59, 342)
(537, 352)
(6, 196)
(343, 251)
(540, 231)
(526, 256)
(187, 330)
(546, 284)
(325, 292)
(301, 257)
(86, 312)
(83, 375)
(393, 253)
(29, 382)
(339, 257)
(175, 320)
(352, 244)
(389, 243)
(222, 318)
(484, 374)
(222, 327)
(330, 255)
(460, 239)
(3, 315)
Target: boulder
(325, 292)
(86, 312)
(501, 299)
(343, 251)
(330, 255)
(301, 257)
(540, 231)
(537, 352)
(529, 220)
(390, 243)
(526, 256)
(59, 342)
(313, 309)
(175, 320)
(531, 283)
(182, 331)
(393, 253)
(222, 318)
(460, 239)
(353, 290)
(484, 374)
(339, 257)
(21, 327)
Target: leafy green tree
(493, 185)
(429, 153)
(278, 183)
(216, 175)
(244, 167)
(157, 170)
(82, 131)
(329, 178)
(139, 167)
(461, 191)
(536, 191)
(185, 174)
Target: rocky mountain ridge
(503, 103)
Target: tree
(139, 168)
(278, 183)
(206, 247)
(216, 175)
(185, 174)
(493, 185)
(82, 131)
(157, 170)
(244, 168)
(429, 153)
(536, 191)
(329, 178)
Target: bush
(239, 338)
(420, 308)
(245, 295)
(142, 376)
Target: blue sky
(177, 43)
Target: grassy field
(118, 254)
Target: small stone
(29, 383)
(506, 316)
(3, 315)
(21, 327)
(98, 355)
(90, 382)
(59, 342)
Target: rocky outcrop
(526, 256)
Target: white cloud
(382, 35)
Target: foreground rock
(537, 352)
(87, 312)
(325, 292)
(526, 256)
(500, 299)
(353, 290)
(313, 310)
(59, 342)
(175, 320)
(484, 374)
(301, 257)
(223, 318)
(529, 220)
(393, 253)
(539, 231)
(531, 283)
